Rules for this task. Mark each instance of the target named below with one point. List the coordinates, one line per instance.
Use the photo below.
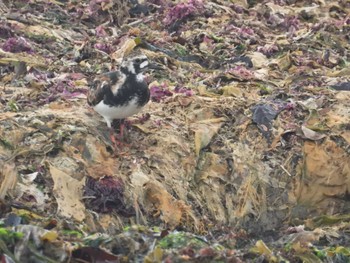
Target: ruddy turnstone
(120, 94)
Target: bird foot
(118, 144)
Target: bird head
(135, 65)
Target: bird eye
(137, 60)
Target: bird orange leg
(114, 139)
(117, 139)
(122, 133)
(121, 130)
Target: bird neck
(130, 73)
(127, 71)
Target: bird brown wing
(103, 84)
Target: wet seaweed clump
(105, 195)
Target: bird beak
(155, 66)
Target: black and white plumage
(123, 93)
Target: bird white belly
(112, 112)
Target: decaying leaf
(202, 90)
(251, 202)
(284, 62)
(326, 220)
(205, 131)
(340, 112)
(304, 239)
(68, 194)
(262, 249)
(259, 60)
(322, 174)
(172, 211)
(232, 90)
(8, 178)
(124, 50)
(35, 59)
(154, 256)
(49, 236)
(311, 135)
